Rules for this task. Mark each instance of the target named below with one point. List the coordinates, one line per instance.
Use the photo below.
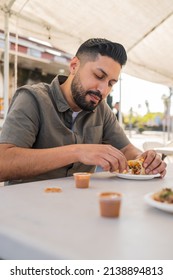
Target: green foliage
(147, 122)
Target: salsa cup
(110, 204)
(82, 179)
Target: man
(116, 110)
(55, 130)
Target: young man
(55, 130)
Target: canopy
(145, 28)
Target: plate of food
(136, 177)
(136, 171)
(162, 199)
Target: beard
(79, 95)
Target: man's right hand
(105, 156)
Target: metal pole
(6, 57)
(120, 113)
(6, 65)
(169, 115)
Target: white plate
(136, 177)
(160, 205)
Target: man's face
(80, 95)
(93, 81)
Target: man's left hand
(153, 163)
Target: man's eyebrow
(101, 70)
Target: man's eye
(99, 77)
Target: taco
(136, 166)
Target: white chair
(169, 157)
(169, 144)
(149, 145)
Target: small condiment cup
(82, 179)
(110, 204)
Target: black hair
(93, 47)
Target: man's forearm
(131, 152)
(16, 162)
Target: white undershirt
(74, 115)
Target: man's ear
(74, 65)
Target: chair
(169, 157)
(149, 145)
(169, 144)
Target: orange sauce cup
(110, 204)
(82, 179)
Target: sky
(134, 93)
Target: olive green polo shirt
(39, 117)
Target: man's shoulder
(40, 91)
(40, 88)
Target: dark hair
(95, 46)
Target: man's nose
(104, 89)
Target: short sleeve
(22, 122)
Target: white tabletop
(164, 150)
(67, 225)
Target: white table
(67, 225)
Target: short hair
(94, 46)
